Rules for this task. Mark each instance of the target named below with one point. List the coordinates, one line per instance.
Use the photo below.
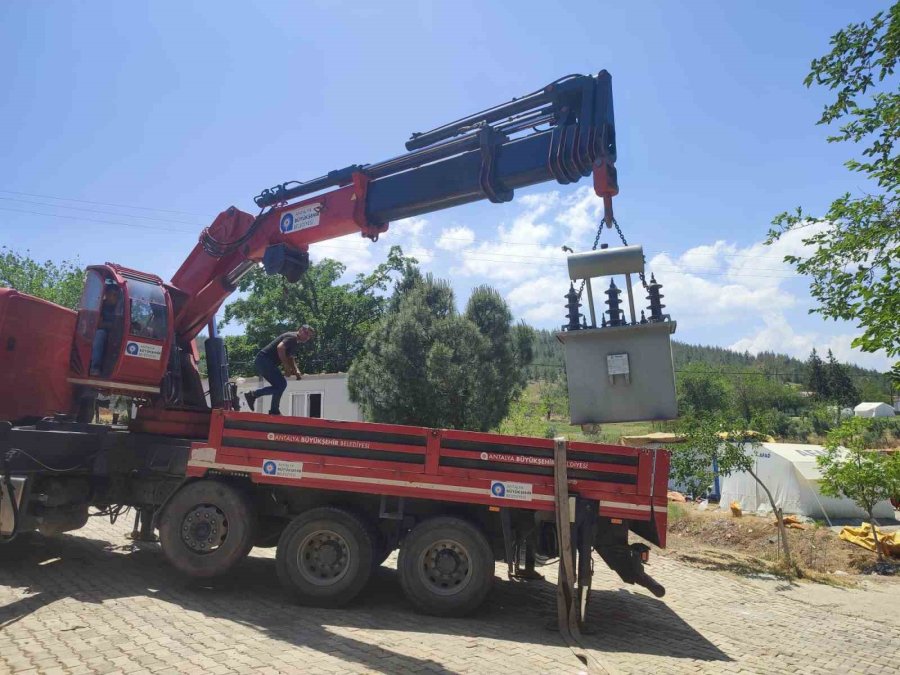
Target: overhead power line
(494, 257)
(121, 206)
(107, 213)
(504, 242)
(93, 220)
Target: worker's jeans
(268, 370)
(97, 349)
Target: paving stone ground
(90, 603)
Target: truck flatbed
(434, 464)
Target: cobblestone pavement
(89, 603)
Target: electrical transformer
(620, 370)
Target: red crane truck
(336, 498)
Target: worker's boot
(251, 400)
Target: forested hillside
(549, 365)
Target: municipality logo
(287, 222)
(498, 489)
(270, 468)
(132, 348)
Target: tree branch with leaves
(854, 265)
(712, 440)
(865, 476)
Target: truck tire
(324, 556)
(207, 528)
(446, 567)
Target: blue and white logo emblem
(287, 222)
(270, 468)
(510, 490)
(132, 348)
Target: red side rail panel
(418, 462)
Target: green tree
(342, 314)
(841, 389)
(57, 282)
(865, 476)
(734, 448)
(554, 397)
(424, 363)
(702, 389)
(855, 261)
(756, 394)
(691, 462)
(816, 381)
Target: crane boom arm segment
(483, 156)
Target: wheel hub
(323, 558)
(446, 567)
(204, 528)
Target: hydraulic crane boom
(483, 156)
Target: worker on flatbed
(280, 350)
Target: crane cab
(123, 332)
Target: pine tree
(426, 364)
(841, 389)
(816, 380)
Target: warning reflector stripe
(436, 487)
(460, 489)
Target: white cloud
(356, 252)
(777, 335)
(581, 217)
(410, 234)
(540, 300)
(407, 228)
(455, 238)
(725, 285)
(693, 296)
(360, 255)
(522, 250)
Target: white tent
(790, 472)
(874, 409)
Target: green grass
(528, 417)
(677, 512)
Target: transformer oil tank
(621, 370)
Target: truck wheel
(325, 556)
(207, 528)
(446, 567)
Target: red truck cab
(123, 336)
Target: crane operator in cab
(280, 350)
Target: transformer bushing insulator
(613, 301)
(572, 305)
(655, 298)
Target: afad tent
(790, 472)
(874, 409)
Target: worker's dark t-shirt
(270, 351)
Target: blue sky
(184, 108)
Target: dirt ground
(747, 545)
